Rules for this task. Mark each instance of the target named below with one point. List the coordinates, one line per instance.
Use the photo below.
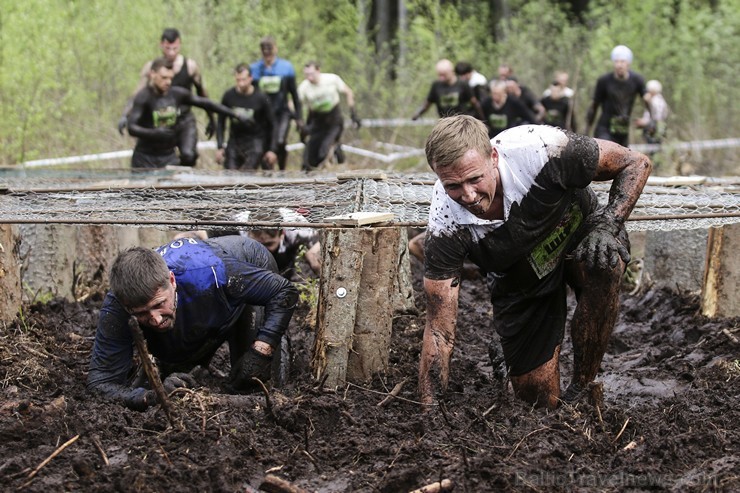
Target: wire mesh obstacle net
(193, 199)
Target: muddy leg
(593, 321)
(541, 386)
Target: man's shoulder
(284, 67)
(179, 94)
(144, 94)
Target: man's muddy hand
(601, 248)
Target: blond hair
(452, 137)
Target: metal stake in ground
(152, 374)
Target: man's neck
(157, 91)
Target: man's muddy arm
(628, 170)
(439, 336)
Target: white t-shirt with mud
(544, 174)
(323, 96)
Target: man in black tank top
(188, 76)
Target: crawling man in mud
(189, 297)
(520, 207)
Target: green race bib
(270, 84)
(165, 117)
(619, 125)
(498, 122)
(321, 105)
(245, 113)
(545, 256)
(449, 100)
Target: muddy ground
(669, 420)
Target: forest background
(67, 67)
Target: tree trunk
(359, 291)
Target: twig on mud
(350, 384)
(313, 461)
(487, 411)
(393, 393)
(49, 459)
(624, 427)
(99, 446)
(151, 372)
(320, 385)
(525, 437)
(185, 390)
(274, 484)
(41, 354)
(443, 410)
(730, 336)
(164, 454)
(268, 403)
(438, 487)
(601, 420)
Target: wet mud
(665, 418)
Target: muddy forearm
(439, 337)
(629, 171)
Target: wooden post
(721, 290)
(10, 274)
(358, 292)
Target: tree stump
(358, 293)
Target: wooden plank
(370, 174)
(675, 181)
(361, 218)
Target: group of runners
(256, 112)
(504, 102)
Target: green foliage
(69, 66)
(308, 288)
(38, 296)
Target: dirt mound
(667, 421)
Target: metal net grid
(217, 200)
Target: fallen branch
(525, 437)
(350, 384)
(438, 487)
(99, 446)
(393, 393)
(151, 371)
(274, 484)
(49, 459)
(624, 426)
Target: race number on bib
(545, 256)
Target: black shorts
(529, 314)
(531, 324)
